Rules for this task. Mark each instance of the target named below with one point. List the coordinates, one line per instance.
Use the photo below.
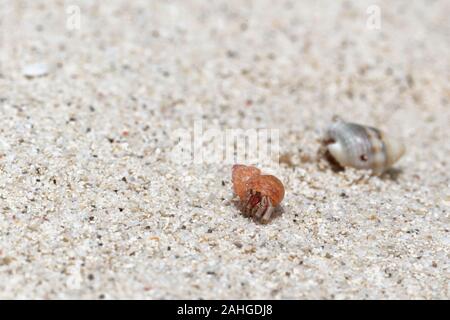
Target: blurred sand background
(93, 206)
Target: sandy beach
(96, 203)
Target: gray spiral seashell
(362, 147)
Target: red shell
(240, 176)
(247, 178)
(269, 186)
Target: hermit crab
(259, 194)
(362, 147)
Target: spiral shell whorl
(362, 147)
(240, 176)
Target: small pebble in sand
(362, 147)
(35, 70)
(259, 194)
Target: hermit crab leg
(268, 213)
(262, 207)
(250, 205)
